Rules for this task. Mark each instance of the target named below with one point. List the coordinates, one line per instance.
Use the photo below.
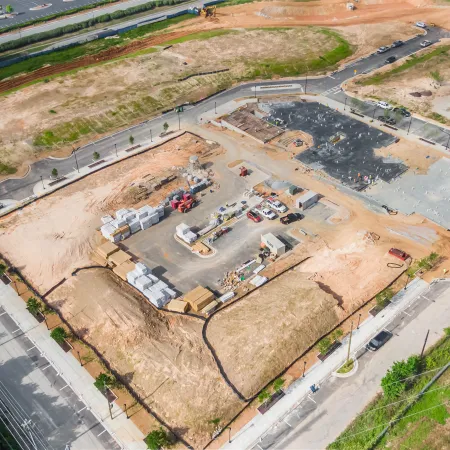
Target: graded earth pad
(161, 355)
(259, 336)
(53, 236)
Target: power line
(391, 421)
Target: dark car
(396, 44)
(252, 215)
(378, 341)
(403, 111)
(291, 217)
(388, 120)
(390, 60)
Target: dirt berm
(259, 336)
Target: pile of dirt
(290, 313)
(161, 356)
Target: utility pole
(409, 126)
(42, 181)
(76, 160)
(229, 435)
(105, 387)
(350, 341)
(425, 343)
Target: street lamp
(179, 124)
(42, 181)
(115, 146)
(76, 160)
(409, 126)
(373, 116)
(151, 137)
(359, 319)
(79, 357)
(229, 434)
(215, 107)
(345, 103)
(304, 367)
(448, 142)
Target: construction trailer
(307, 200)
(273, 244)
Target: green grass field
(361, 433)
(440, 54)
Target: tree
(157, 439)
(384, 297)
(166, 127)
(278, 384)
(96, 156)
(263, 396)
(2, 269)
(59, 334)
(398, 377)
(104, 381)
(55, 173)
(324, 345)
(34, 306)
(131, 139)
(9, 9)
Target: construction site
(206, 264)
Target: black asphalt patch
(343, 147)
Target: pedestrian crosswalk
(333, 90)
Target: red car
(252, 215)
(400, 254)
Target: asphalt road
(23, 8)
(18, 189)
(38, 402)
(319, 420)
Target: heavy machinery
(208, 11)
(184, 204)
(244, 171)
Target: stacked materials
(130, 221)
(155, 290)
(184, 232)
(199, 298)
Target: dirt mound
(163, 357)
(290, 313)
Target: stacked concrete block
(160, 211)
(143, 283)
(143, 269)
(172, 294)
(135, 226)
(184, 232)
(122, 212)
(146, 222)
(110, 232)
(133, 276)
(106, 219)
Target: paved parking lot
(32, 392)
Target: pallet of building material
(124, 269)
(198, 298)
(119, 258)
(178, 306)
(210, 308)
(107, 249)
(106, 219)
(142, 269)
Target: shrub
(55, 173)
(263, 396)
(34, 306)
(131, 140)
(324, 345)
(166, 127)
(2, 269)
(104, 381)
(59, 335)
(278, 384)
(397, 378)
(157, 439)
(96, 156)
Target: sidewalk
(255, 430)
(123, 431)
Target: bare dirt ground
(161, 355)
(66, 240)
(108, 97)
(294, 304)
(397, 88)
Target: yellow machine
(209, 11)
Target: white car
(268, 214)
(384, 105)
(382, 49)
(421, 24)
(276, 205)
(425, 43)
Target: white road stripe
(82, 409)
(31, 348)
(104, 431)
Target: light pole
(79, 357)
(424, 344)
(126, 410)
(115, 146)
(304, 367)
(373, 116)
(179, 124)
(345, 103)
(359, 319)
(306, 81)
(76, 160)
(42, 181)
(215, 107)
(409, 126)
(448, 142)
(350, 341)
(229, 435)
(151, 137)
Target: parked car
(400, 254)
(396, 44)
(268, 214)
(421, 24)
(403, 111)
(291, 217)
(425, 43)
(378, 341)
(384, 105)
(252, 215)
(387, 119)
(383, 49)
(390, 60)
(276, 205)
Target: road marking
(31, 348)
(64, 387)
(287, 423)
(82, 409)
(15, 331)
(104, 431)
(311, 399)
(3, 313)
(46, 367)
(409, 315)
(332, 90)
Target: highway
(28, 15)
(18, 189)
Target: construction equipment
(208, 11)
(244, 171)
(187, 203)
(400, 254)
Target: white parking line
(311, 399)
(15, 331)
(46, 367)
(64, 387)
(31, 348)
(104, 431)
(3, 313)
(82, 409)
